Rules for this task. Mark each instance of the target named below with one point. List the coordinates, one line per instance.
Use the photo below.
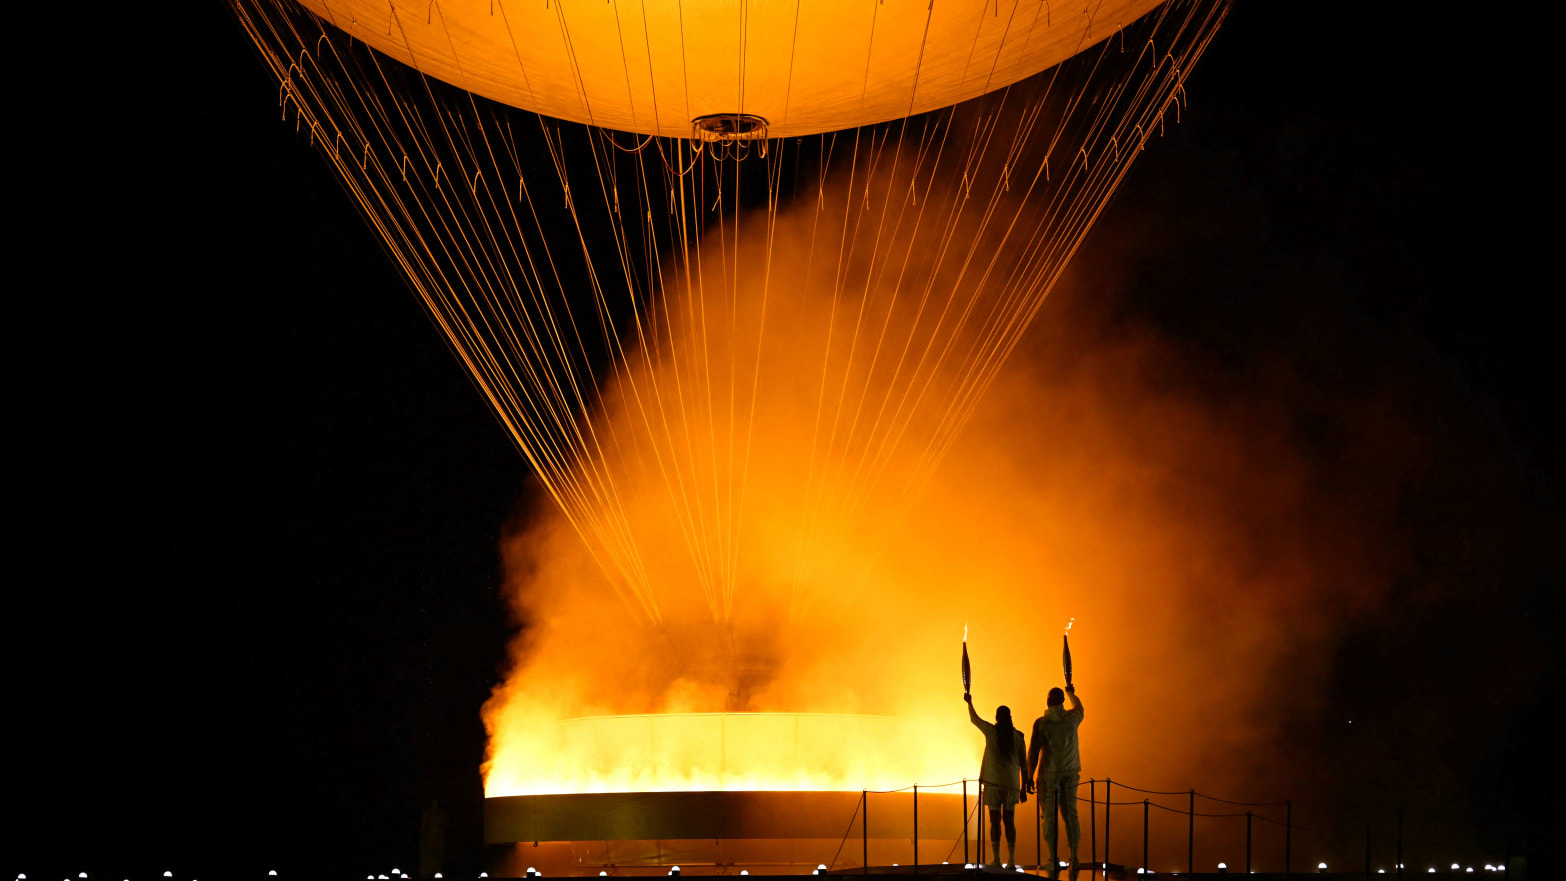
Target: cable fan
(732, 275)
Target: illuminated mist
(1185, 538)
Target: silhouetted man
(1055, 743)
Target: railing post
(1038, 827)
(965, 858)
(1190, 835)
(1367, 853)
(1092, 824)
(1144, 833)
(1288, 834)
(916, 829)
(864, 831)
(1109, 800)
(1247, 842)
(980, 809)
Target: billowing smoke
(1190, 540)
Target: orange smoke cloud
(1185, 539)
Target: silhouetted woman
(1005, 755)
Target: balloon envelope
(807, 66)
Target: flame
(1069, 623)
(669, 752)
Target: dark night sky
(255, 596)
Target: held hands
(1071, 690)
(967, 699)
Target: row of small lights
(272, 873)
(821, 869)
(1321, 868)
(22, 876)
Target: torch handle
(967, 671)
(1065, 659)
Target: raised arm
(1037, 749)
(1076, 702)
(972, 716)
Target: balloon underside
(652, 66)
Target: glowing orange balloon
(806, 66)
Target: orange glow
(726, 751)
(796, 597)
(784, 458)
(1186, 534)
(796, 463)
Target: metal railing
(1100, 868)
